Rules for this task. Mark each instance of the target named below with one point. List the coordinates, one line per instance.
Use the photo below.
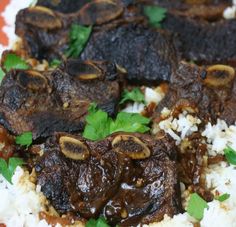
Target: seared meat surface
(210, 90)
(147, 54)
(128, 178)
(203, 41)
(45, 33)
(45, 102)
(63, 6)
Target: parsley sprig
(2, 74)
(222, 197)
(230, 155)
(8, 169)
(13, 61)
(135, 95)
(79, 36)
(155, 15)
(99, 125)
(196, 206)
(25, 139)
(100, 222)
(55, 62)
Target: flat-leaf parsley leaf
(8, 169)
(99, 125)
(135, 95)
(2, 74)
(25, 139)
(13, 61)
(55, 62)
(100, 222)
(196, 206)
(230, 155)
(155, 15)
(222, 197)
(79, 36)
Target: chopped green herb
(100, 222)
(129, 122)
(222, 197)
(8, 169)
(196, 206)
(79, 36)
(55, 62)
(12, 61)
(155, 15)
(230, 155)
(135, 95)
(2, 74)
(25, 139)
(99, 124)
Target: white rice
(220, 136)
(220, 178)
(230, 12)
(21, 202)
(178, 128)
(150, 96)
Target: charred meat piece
(128, 178)
(186, 4)
(203, 41)
(45, 102)
(63, 6)
(147, 54)
(211, 91)
(45, 33)
(192, 161)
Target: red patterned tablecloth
(4, 41)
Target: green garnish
(230, 155)
(155, 15)
(8, 169)
(100, 222)
(2, 74)
(55, 62)
(100, 125)
(129, 122)
(135, 95)
(196, 206)
(222, 197)
(79, 36)
(25, 139)
(12, 61)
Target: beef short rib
(45, 102)
(211, 91)
(128, 178)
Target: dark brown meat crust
(188, 88)
(124, 190)
(148, 55)
(202, 41)
(63, 6)
(57, 100)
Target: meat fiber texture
(108, 182)
(45, 102)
